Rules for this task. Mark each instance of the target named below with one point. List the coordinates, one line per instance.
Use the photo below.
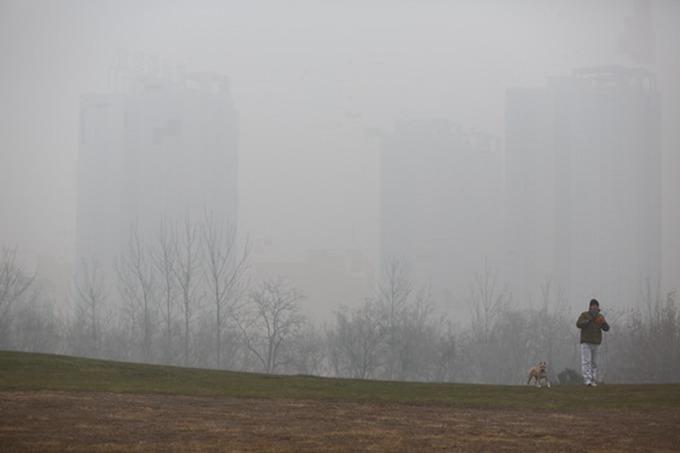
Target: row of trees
(187, 298)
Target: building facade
(583, 185)
(163, 149)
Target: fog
(533, 144)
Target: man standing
(591, 323)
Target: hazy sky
(309, 78)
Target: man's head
(594, 305)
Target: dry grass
(95, 422)
(57, 403)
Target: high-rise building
(583, 185)
(442, 189)
(164, 148)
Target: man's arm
(605, 327)
(583, 320)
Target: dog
(540, 375)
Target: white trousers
(588, 362)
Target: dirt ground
(93, 422)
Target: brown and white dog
(540, 375)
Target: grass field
(53, 403)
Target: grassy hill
(34, 372)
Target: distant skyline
(316, 87)
(162, 150)
(583, 186)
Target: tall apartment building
(583, 185)
(164, 148)
(442, 189)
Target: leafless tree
(187, 276)
(37, 326)
(224, 274)
(13, 283)
(417, 340)
(551, 326)
(357, 342)
(307, 352)
(273, 319)
(646, 346)
(505, 358)
(165, 261)
(487, 302)
(137, 286)
(91, 295)
(449, 352)
(394, 293)
(665, 327)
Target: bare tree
(647, 347)
(552, 325)
(307, 352)
(448, 354)
(186, 274)
(393, 299)
(224, 274)
(273, 319)
(395, 337)
(91, 294)
(13, 283)
(37, 326)
(417, 351)
(486, 303)
(165, 261)
(356, 344)
(505, 358)
(137, 285)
